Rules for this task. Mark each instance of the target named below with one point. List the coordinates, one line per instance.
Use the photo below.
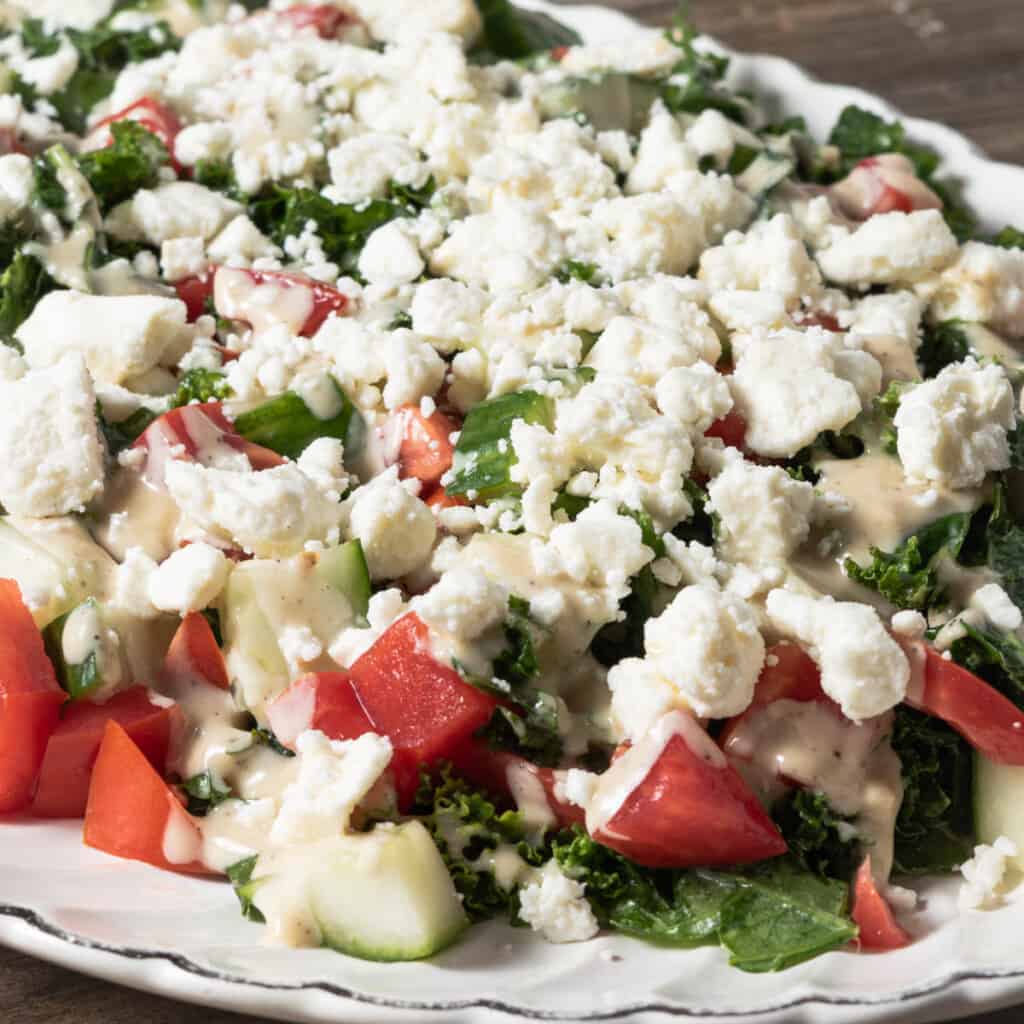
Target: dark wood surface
(957, 61)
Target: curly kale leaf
(819, 838)
(132, 161)
(511, 33)
(22, 285)
(942, 344)
(935, 826)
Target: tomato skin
(194, 654)
(425, 708)
(689, 811)
(190, 427)
(326, 19)
(731, 429)
(130, 808)
(154, 116)
(195, 292)
(437, 499)
(879, 929)
(326, 701)
(990, 722)
(489, 769)
(885, 183)
(30, 700)
(326, 301)
(424, 451)
(71, 752)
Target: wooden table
(958, 61)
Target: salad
(452, 471)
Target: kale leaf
(625, 638)
(994, 656)
(942, 344)
(240, 876)
(695, 82)
(281, 212)
(935, 826)
(908, 577)
(22, 285)
(132, 161)
(511, 33)
(701, 524)
(1009, 238)
(199, 385)
(1005, 542)
(818, 837)
(576, 270)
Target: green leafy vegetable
(78, 679)
(1009, 238)
(886, 407)
(287, 425)
(204, 791)
(240, 876)
(695, 82)
(268, 739)
(701, 524)
(1005, 540)
(818, 838)
(47, 189)
(625, 638)
(994, 656)
(576, 270)
(283, 212)
(218, 176)
(517, 663)
(22, 285)
(935, 827)
(511, 33)
(412, 198)
(212, 616)
(199, 385)
(941, 345)
(908, 576)
(132, 161)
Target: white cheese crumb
(997, 607)
(984, 874)
(190, 579)
(556, 907)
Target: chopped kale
(511, 33)
(132, 161)
(819, 838)
(576, 270)
(204, 791)
(22, 285)
(1009, 238)
(240, 876)
(941, 345)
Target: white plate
(185, 938)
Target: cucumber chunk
(999, 803)
(380, 895)
(344, 568)
(765, 172)
(287, 424)
(484, 456)
(609, 101)
(85, 651)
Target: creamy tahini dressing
(134, 513)
(809, 744)
(262, 304)
(531, 798)
(65, 259)
(897, 359)
(182, 843)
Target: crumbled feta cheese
(985, 285)
(183, 257)
(789, 386)
(364, 166)
(909, 624)
(555, 906)
(190, 579)
(333, 777)
(447, 312)
(396, 529)
(764, 514)
(391, 256)
(984, 874)
(240, 244)
(600, 546)
(402, 19)
(952, 430)
(131, 585)
(862, 668)
(120, 337)
(897, 314)
(890, 248)
(270, 514)
(177, 209)
(662, 153)
(464, 603)
(322, 460)
(694, 396)
(995, 604)
(53, 456)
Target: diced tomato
(427, 709)
(497, 771)
(192, 432)
(438, 498)
(195, 292)
(686, 806)
(789, 673)
(194, 654)
(730, 429)
(133, 813)
(424, 449)
(10, 142)
(30, 700)
(826, 320)
(559, 52)
(326, 19)
(879, 929)
(67, 766)
(990, 722)
(154, 116)
(885, 183)
(306, 318)
(326, 701)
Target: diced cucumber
(765, 172)
(287, 424)
(55, 562)
(573, 380)
(484, 455)
(84, 652)
(999, 803)
(380, 895)
(609, 101)
(266, 597)
(344, 568)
